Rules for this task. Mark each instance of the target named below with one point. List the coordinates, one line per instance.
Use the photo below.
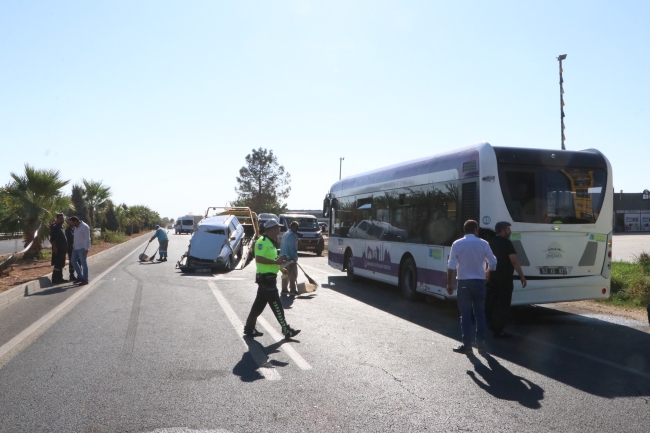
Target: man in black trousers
(500, 284)
(59, 249)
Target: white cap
(271, 223)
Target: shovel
(143, 257)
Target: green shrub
(113, 237)
(631, 282)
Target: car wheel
(228, 265)
(319, 253)
(409, 280)
(349, 260)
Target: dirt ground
(639, 314)
(24, 271)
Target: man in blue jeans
(80, 249)
(468, 257)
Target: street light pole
(559, 59)
(340, 166)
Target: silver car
(215, 244)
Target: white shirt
(81, 237)
(469, 256)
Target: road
(627, 247)
(8, 246)
(145, 348)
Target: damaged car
(214, 245)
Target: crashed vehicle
(214, 245)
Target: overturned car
(215, 244)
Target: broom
(310, 279)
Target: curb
(26, 289)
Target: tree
(96, 195)
(36, 197)
(80, 209)
(110, 218)
(262, 183)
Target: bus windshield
(553, 195)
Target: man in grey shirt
(469, 256)
(80, 249)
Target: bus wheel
(409, 280)
(349, 262)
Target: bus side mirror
(326, 208)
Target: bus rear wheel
(409, 279)
(349, 265)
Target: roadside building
(632, 212)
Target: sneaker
(291, 333)
(83, 282)
(160, 259)
(463, 349)
(254, 333)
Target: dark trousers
(70, 267)
(267, 293)
(58, 261)
(497, 305)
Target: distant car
(170, 227)
(310, 237)
(324, 227)
(215, 244)
(263, 218)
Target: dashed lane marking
(299, 360)
(26, 337)
(257, 353)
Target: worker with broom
(163, 241)
(268, 264)
(289, 249)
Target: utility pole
(340, 166)
(559, 59)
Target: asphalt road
(627, 247)
(8, 246)
(145, 348)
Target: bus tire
(349, 265)
(408, 280)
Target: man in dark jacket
(69, 235)
(500, 284)
(59, 249)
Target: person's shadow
(501, 383)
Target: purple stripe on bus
(335, 257)
(430, 165)
(433, 277)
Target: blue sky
(163, 100)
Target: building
(632, 212)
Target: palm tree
(37, 197)
(96, 196)
(122, 215)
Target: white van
(187, 224)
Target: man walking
(59, 249)
(500, 284)
(268, 264)
(289, 249)
(468, 257)
(69, 235)
(163, 242)
(80, 249)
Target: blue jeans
(471, 297)
(79, 263)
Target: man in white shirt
(80, 249)
(469, 256)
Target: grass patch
(631, 283)
(113, 237)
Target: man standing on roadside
(69, 235)
(163, 242)
(289, 249)
(268, 264)
(80, 249)
(468, 257)
(59, 249)
(500, 284)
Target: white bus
(396, 224)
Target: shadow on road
(257, 356)
(499, 382)
(597, 357)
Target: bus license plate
(558, 270)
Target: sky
(163, 100)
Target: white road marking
(299, 360)
(323, 272)
(14, 346)
(258, 355)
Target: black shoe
(291, 333)
(83, 282)
(254, 333)
(463, 349)
(502, 335)
(285, 292)
(159, 259)
(294, 293)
